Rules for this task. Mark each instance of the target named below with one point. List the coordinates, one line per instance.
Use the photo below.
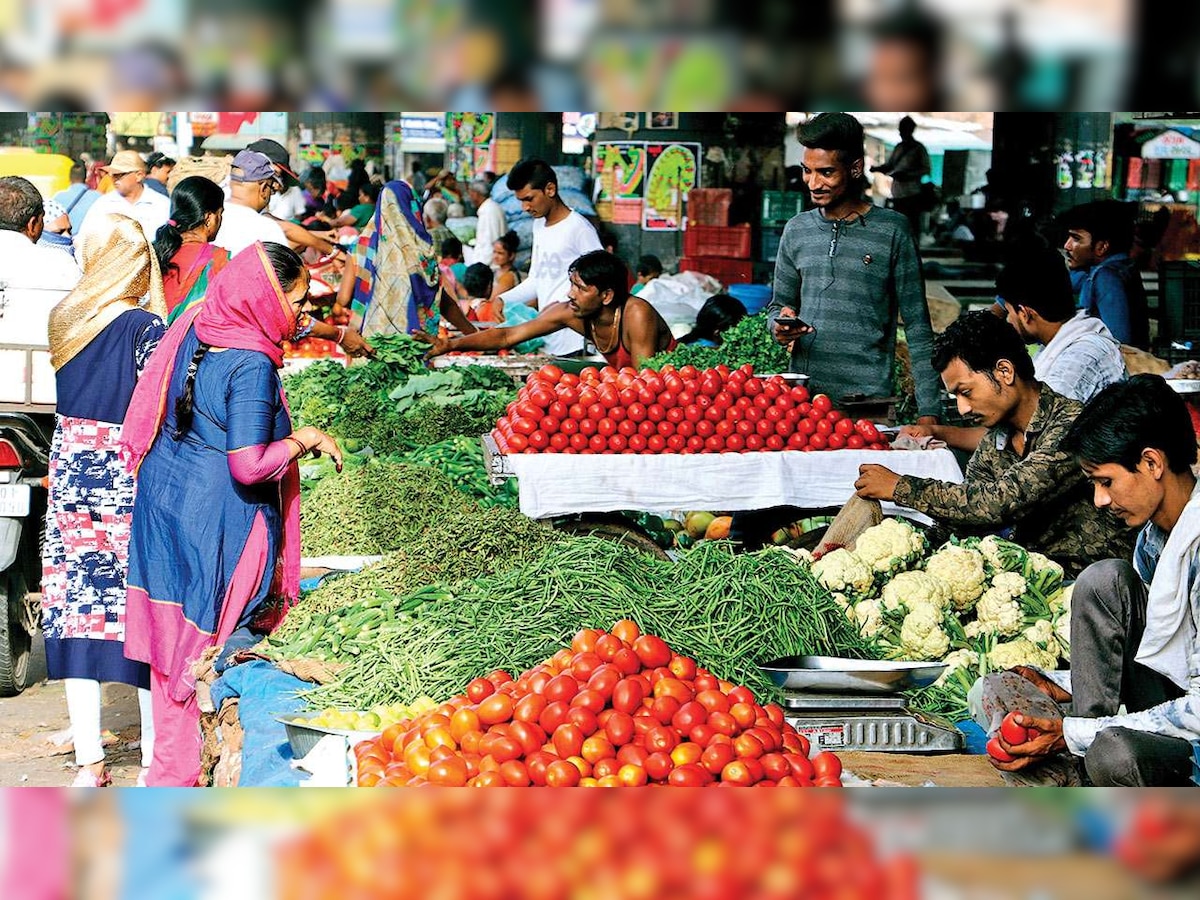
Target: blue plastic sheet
(265, 692)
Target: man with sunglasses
(129, 196)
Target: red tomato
(817, 442)
(554, 715)
(448, 772)
(518, 443)
(628, 695)
(561, 773)
(837, 442)
(844, 427)
(619, 728)
(550, 373)
(479, 689)
(652, 651)
(561, 687)
(1012, 732)
(689, 775)
(567, 740)
(775, 442)
(529, 708)
(658, 766)
(822, 403)
(738, 773)
(495, 709)
(776, 766)
(855, 442)
(826, 765)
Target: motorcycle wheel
(16, 633)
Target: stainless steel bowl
(835, 674)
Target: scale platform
(868, 722)
(848, 704)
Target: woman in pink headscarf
(214, 545)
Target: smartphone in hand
(792, 322)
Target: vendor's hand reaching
(916, 431)
(876, 482)
(317, 442)
(1042, 683)
(785, 334)
(437, 345)
(1048, 741)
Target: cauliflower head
(890, 546)
(913, 589)
(868, 616)
(1002, 555)
(962, 569)
(1060, 603)
(967, 660)
(922, 635)
(999, 613)
(1021, 652)
(1010, 584)
(843, 572)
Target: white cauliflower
(913, 589)
(999, 613)
(843, 572)
(841, 600)
(868, 616)
(1010, 584)
(1002, 555)
(958, 659)
(1061, 605)
(962, 569)
(1021, 652)
(1042, 563)
(799, 553)
(890, 546)
(1040, 632)
(973, 630)
(922, 635)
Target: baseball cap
(250, 165)
(158, 158)
(126, 161)
(277, 153)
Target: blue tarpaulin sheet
(265, 693)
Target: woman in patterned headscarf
(101, 335)
(394, 285)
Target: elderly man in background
(129, 197)
(23, 262)
(491, 223)
(435, 212)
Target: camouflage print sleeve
(988, 496)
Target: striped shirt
(852, 281)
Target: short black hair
(371, 189)
(477, 280)
(20, 201)
(603, 271)
(452, 247)
(316, 177)
(719, 313)
(1128, 417)
(78, 172)
(836, 131)
(1104, 220)
(157, 158)
(531, 173)
(649, 264)
(981, 339)
(511, 241)
(1038, 279)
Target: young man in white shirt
(560, 236)
(129, 197)
(490, 222)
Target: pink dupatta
(245, 309)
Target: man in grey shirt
(850, 270)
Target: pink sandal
(86, 778)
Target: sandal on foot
(86, 778)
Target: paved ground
(28, 720)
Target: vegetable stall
(481, 645)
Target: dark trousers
(1108, 617)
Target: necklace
(615, 334)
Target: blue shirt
(1112, 292)
(77, 200)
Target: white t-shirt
(554, 249)
(151, 209)
(489, 228)
(289, 204)
(26, 265)
(242, 226)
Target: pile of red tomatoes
(674, 411)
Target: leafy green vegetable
(748, 341)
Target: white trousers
(83, 707)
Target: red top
(619, 357)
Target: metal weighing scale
(856, 704)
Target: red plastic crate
(722, 268)
(709, 206)
(732, 242)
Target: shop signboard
(620, 168)
(1171, 144)
(673, 170)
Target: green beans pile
(731, 613)
(375, 508)
(460, 459)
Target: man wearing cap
(1099, 236)
(287, 181)
(252, 182)
(490, 225)
(129, 196)
(159, 166)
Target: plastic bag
(516, 314)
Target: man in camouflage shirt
(1019, 478)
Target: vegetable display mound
(375, 508)
(718, 410)
(613, 709)
(730, 612)
(979, 605)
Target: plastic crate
(724, 269)
(769, 250)
(752, 296)
(1179, 301)
(709, 206)
(732, 242)
(779, 206)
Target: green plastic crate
(779, 206)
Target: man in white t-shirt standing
(560, 236)
(252, 183)
(490, 222)
(129, 196)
